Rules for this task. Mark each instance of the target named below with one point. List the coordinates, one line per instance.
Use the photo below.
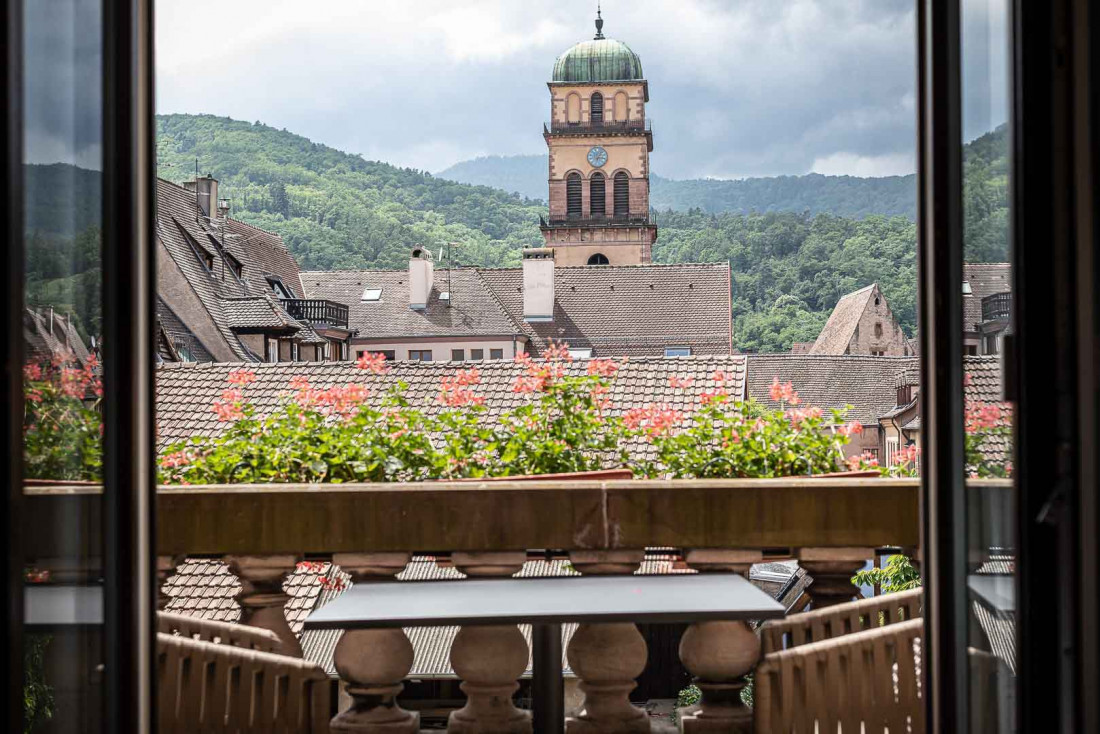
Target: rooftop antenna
(599, 23)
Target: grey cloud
(62, 82)
(747, 87)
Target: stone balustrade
(831, 526)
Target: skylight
(580, 353)
(966, 288)
(371, 294)
(445, 296)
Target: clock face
(597, 156)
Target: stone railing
(831, 526)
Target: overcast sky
(737, 87)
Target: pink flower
(374, 362)
(557, 351)
(721, 377)
(32, 371)
(603, 367)
(227, 411)
(298, 382)
(175, 460)
(675, 381)
(783, 392)
(455, 392)
(713, 396)
(850, 429)
(241, 377)
(653, 420)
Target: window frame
(496, 354)
(480, 355)
(420, 355)
(461, 355)
(669, 351)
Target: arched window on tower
(622, 194)
(622, 111)
(599, 259)
(597, 194)
(573, 195)
(595, 110)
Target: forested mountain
(337, 210)
(847, 196)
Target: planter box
(600, 475)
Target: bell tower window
(598, 195)
(595, 111)
(622, 194)
(573, 195)
(599, 259)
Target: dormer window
(371, 294)
(277, 287)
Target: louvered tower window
(573, 195)
(622, 194)
(596, 112)
(598, 194)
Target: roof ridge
(500, 304)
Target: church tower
(599, 142)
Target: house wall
(878, 332)
(441, 348)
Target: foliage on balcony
(62, 429)
(569, 425)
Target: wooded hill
(336, 210)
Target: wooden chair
(218, 677)
(848, 668)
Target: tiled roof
(180, 335)
(984, 384)
(47, 333)
(839, 329)
(831, 381)
(257, 312)
(262, 254)
(471, 311)
(985, 279)
(205, 588)
(232, 303)
(185, 391)
(628, 310)
(617, 311)
(179, 227)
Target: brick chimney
(206, 193)
(421, 274)
(538, 284)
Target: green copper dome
(599, 60)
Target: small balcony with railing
(317, 311)
(564, 221)
(598, 127)
(997, 308)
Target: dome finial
(599, 23)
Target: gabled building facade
(863, 324)
(987, 306)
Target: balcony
(598, 127)
(997, 307)
(614, 220)
(831, 526)
(317, 311)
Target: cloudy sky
(737, 87)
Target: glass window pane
(987, 309)
(63, 573)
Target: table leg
(547, 688)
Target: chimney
(206, 193)
(538, 284)
(223, 208)
(421, 272)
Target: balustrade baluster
(832, 570)
(489, 659)
(262, 599)
(374, 662)
(607, 657)
(720, 653)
